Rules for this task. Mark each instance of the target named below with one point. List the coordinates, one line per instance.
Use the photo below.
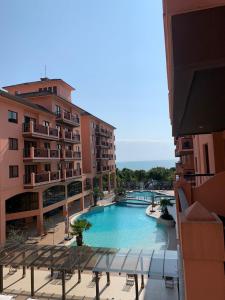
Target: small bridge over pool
(143, 200)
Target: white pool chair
(6, 297)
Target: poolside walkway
(45, 288)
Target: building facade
(195, 52)
(99, 152)
(41, 154)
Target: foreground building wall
(41, 155)
(195, 68)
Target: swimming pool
(124, 227)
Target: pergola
(156, 264)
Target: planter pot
(169, 223)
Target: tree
(16, 236)
(97, 194)
(164, 203)
(78, 227)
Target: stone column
(82, 203)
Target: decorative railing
(39, 129)
(35, 153)
(67, 116)
(34, 179)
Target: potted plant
(165, 217)
(78, 227)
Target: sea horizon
(145, 165)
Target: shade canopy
(153, 263)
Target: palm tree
(78, 227)
(163, 204)
(97, 194)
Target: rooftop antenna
(45, 70)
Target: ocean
(145, 165)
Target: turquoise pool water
(124, 227)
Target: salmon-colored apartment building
(49, 156)
(195, 52)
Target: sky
(111, 51)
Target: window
(53, 195)
(13, 171)
(13, 144)
(47, 167)
(57, 110)
(55, 89)
(206, 155)
(47, 145)
(12, 116)
(74, 188)
(40, 90)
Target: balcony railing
(36, 179)
(104, 156)
(40, 131)
(103, 132)
(198, 178)
(67, 117)
(70, 173)
(70, 137)
(103, 144)
(39, 154)
(102, 168)
(70, 154)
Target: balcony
(37, 179)
(70, 155)
(104, 156)
(68, 118)
(69, 137)
(103, 132)
(40, 131)
(68, 174)
(39, 155)
(184, 146)
(101, 169)
(104, 144)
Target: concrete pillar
(40, 217)
(82, 203)
(2, 222)
(66, 217)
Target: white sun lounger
(6, 297)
